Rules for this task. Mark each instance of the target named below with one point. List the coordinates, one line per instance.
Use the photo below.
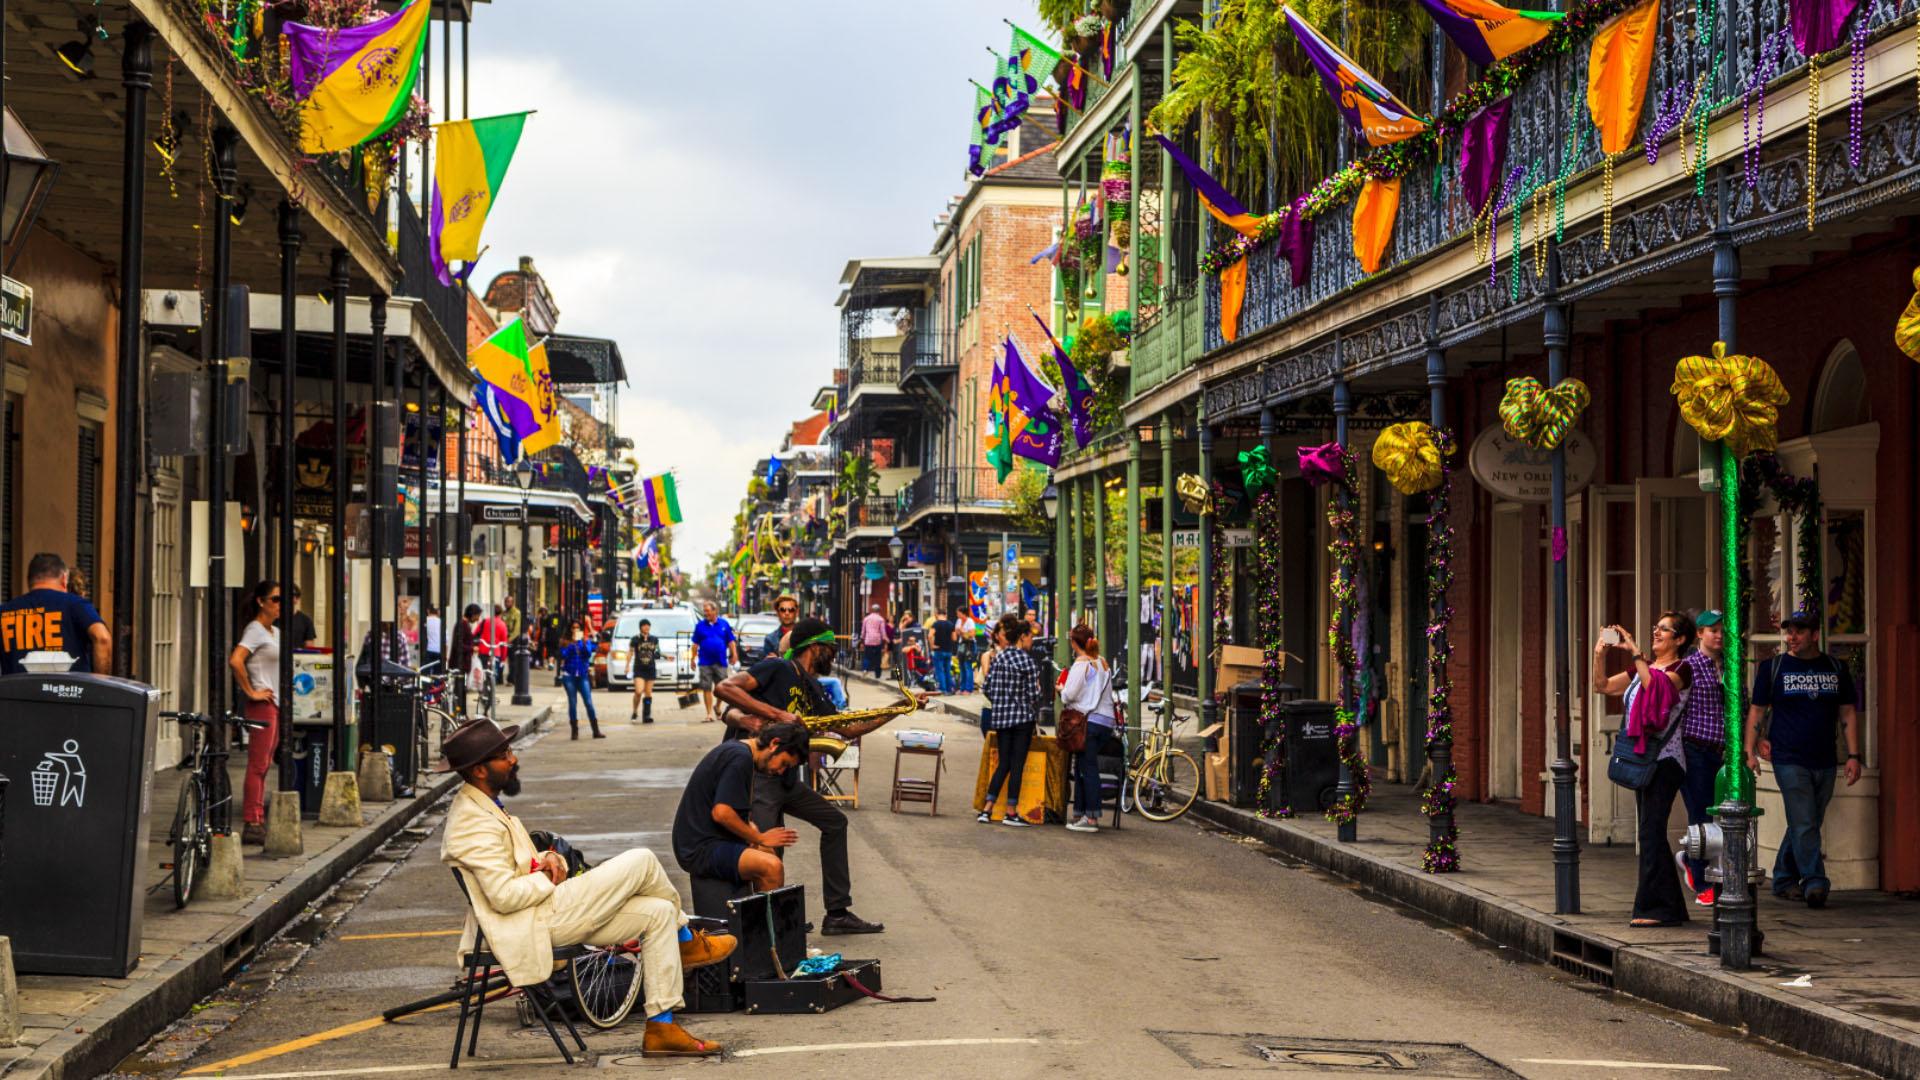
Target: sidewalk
(78, 1026)
(1860, 1005)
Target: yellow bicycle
(1162, 779)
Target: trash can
(311, 748)
(72, 884)
(1245, 741)
(1312, 769)
(392, 730)
(1042, 652)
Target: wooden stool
(908, 789)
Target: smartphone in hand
(1610, 637)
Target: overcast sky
(696, 179)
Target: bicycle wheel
(606, 983)
(486, 697)
(184, 838)
(1167, 785)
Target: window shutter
(9, 486)
(86, 514)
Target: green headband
(824, 637)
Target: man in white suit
(526, 904)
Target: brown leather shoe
(672, 1040)
(705, 949)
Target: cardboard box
(1238, 664)
(1217, 787)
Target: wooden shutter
(86, 507)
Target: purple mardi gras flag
(1036, 431)
(1371, 109)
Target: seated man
(527, 905)
(711, 834)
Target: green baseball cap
(1709, 617)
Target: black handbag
(1634, 769)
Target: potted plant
(1086, 32)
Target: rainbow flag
(507, 391)
(467, 174)
(1371, 109)
(354, 84)
(663, 500)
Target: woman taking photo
(1013, 689)
(1656, 688)
(1089, 691)
(256, 667)
(576, 674)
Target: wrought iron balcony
(1168, 344)
(1674, 225)
(872, 369)
(447, 304)
(925, 354)
(954, 487)
(879, 512)
(1097, 89)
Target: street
(1149, 951)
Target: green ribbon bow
(1256, 470)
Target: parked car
(674, 627)
(753, 631)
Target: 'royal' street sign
(1514, 471)
(16, 311)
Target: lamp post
(517, 650)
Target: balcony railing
(952, 487)
(873, 369)
(447, 305)
(1167, 345)
(1097, 88)
(880, 512)
(1433, 215)
(924, 353)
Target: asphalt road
(1146, 952)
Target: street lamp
(29, 176)
(517, 650)
(1050, 502)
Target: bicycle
(485, 697)
(1163, 780)
(205, 789)
(431, 711)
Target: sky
(698, 176)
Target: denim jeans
(1696, 794)
(943, 670)
(579, 686)
(1806, 793)
(1087, 799)
(968, 663)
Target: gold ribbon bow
(1731, 398)
(1906, 332)
(1194, 494)
(1540, 417)
(1409, 456)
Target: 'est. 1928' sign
(1513, 470)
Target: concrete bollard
(376, 777)
(283, 824)
(340, 801)
(9, 996)
(225, 875)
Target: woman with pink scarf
(1656, 688)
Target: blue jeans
(1696, 794)
(1087, 799)
(579, 686)
(967, 664)
(1806, 793)
(943, 670)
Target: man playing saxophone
(786, 689)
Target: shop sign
(1514, 471)
(16, 311)
(312, 482)
(496, 512)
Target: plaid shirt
(1706, 712)
(1013, 687)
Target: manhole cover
(1294, 1053)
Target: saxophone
(908, 704)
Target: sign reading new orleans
(1513, 470)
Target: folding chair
(831, 774)
(478, 980)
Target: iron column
(217, 345)
(1566, 841)
(339, 605)
(1440, 749)
(1345, 790)
(136, 75)
(379, 502)
(1130, 602)
(1203, 607)
(289, 366)
(1166, 553)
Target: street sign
(1186, 538)
(16, 311)
(1238, 538)
(911, 573)
(495, 512)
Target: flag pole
(1062, 54)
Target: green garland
(1346, 727)
(1269, 617)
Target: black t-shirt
(46, 620)
(645, 649)
(723, 777)
(943, 635)
(1805, 696)
(302, 634)
(778, 683)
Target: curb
(119, 1025)
(1697, 989)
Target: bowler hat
(472, 743)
